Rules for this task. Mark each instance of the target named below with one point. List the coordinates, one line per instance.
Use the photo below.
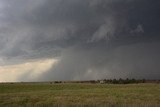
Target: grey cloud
(91, 38)
(105, 31)
(137, 31)
(130, 61)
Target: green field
(79, 95)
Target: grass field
(79, 95)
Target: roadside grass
(79, 95)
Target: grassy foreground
(79, 95)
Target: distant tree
(121, 81)
(115, 81)
(143, 81)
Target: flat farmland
(79, 95)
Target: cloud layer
(91, 39)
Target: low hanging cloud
(105, 31)
(89, 39)
(28, 71)
(132, 61)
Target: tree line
(107, 81)
(122, 81)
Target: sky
(48, 40)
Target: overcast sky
(45, 40)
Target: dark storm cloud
(92, 39)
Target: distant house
(102, 82)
